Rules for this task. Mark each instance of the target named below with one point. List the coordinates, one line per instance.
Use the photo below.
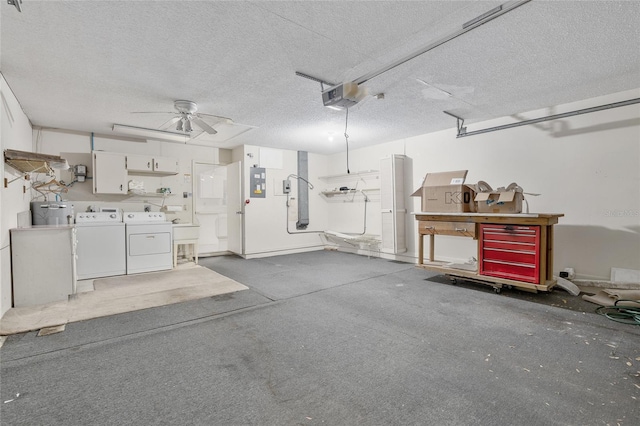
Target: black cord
(346, 138)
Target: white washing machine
(101, 245)
(149, 242)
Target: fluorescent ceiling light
(162, 135)
(16, 3)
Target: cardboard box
(501, 200)
(446, 192)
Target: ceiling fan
(186, 116)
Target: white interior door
(235, 209)
(210, 206)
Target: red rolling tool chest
(510, 251)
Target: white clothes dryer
(149, 242)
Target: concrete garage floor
(330, 338)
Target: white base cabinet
(43, 264)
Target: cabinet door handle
(120, 187)
(460, 229)
(148, 164)
(156, 164)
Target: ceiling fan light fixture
(179, 126)
(187, 126)
(186, 107)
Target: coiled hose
(620, 313)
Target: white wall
(15, 134)
(265, 231)
(586, 167)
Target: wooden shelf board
(30, 166)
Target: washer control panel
(98, 217)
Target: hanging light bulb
(179, 127)
(187, 126)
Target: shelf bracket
(24, 176)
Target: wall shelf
(329, 194)
(367, 181)
(375, 174)
(150, 194)
(30, 162)
(348, 195)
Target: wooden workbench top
(489, 214)
(514, 218)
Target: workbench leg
(432, 245)
(550, 252)
(543, 255)
(420, 249)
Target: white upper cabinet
(139, 163)
(146, 164)
(165, 165)
(109, 173)
(111, 170)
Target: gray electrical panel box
(258, 182)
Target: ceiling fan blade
(174, 120)
(204, 126)
(217, 116)
(169, 124)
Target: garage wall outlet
(568, 273)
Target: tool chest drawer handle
(502, 262)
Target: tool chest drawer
(510, 251)
(463, 229)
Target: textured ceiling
(85, 65)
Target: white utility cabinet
(146, 164)
(109, 173)
(392, 204)
(43, 264)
